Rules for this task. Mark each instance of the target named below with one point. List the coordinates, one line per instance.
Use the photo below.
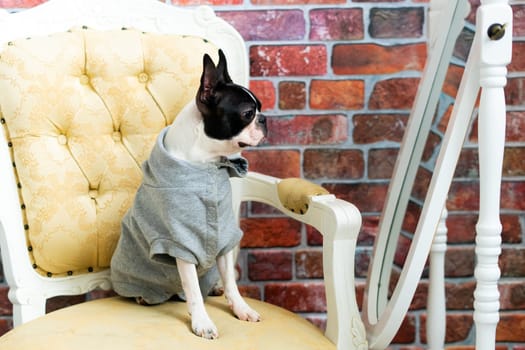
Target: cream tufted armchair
(85, 87)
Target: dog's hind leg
(201, 324)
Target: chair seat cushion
(118, 323)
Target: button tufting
(117, 136)
(143, 77)
(62, 139)
(93, 194)
(84, 79)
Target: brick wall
(337, 80)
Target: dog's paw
(204, 327)
(244, 312)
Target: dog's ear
(212, 77)
(222, 69)
(209, 80)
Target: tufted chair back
(81, 110)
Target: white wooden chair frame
(337, 220)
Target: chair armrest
(339, 222)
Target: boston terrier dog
(178, 237)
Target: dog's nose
(261, 121)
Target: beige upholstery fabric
(81, 111)
(117, 323)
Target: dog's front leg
(240, 308)
(201, 324)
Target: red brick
(431, 146)
(510, 328)
(460, 296)
(381, 162)
(420, 298)
(404, 22)
(267, 24)
(362, 260)
(265, 92)
(377, 59)
(360, 292)
(279, 163)
(468, 163)
(309, 263)
(402, 247)
(512, 295)
(512, 194)
(473, 347)
(514, 161)
(515, 131)
(511, 262)
(206, 2)
(458, 327)
(411, 217)
(288, 60)
(518, 25)
(372, 1)
(262, 209)
(333, 163)
(461, 228)
(463, 196)
(445, 118)
(463, 44)
(100, 294)
(270, 232)
(308, 130)
(297, 297)
(369, 230)
(421, 183)
(337, 94)
(250, 291)
(515, 91)
(292, 95)
(270, 265)
(395, 93)
(459, 261)
(313, 237)
(407, 331)
(60, 302)
(295, 2)
(453, 79)
(517, 63)
(512, 228)
(20, 3)
(336, 24)
(371, 128)
(6, 308)
(5, 326)
(368, 197)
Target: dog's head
(230, 112)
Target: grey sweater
(181, 210)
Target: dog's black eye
(249, 114)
